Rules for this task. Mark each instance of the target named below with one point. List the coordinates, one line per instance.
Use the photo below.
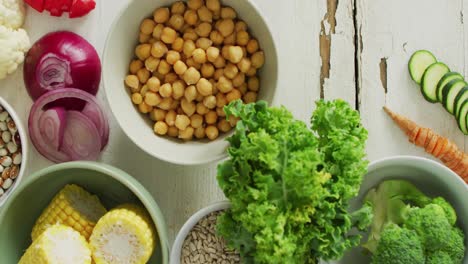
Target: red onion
(53, 126)
(59, 60)
(94, 113)
(81, 139)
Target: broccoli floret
(448, 209)
(455, 246)
(398, 246)
(431, 224)
(439, 257)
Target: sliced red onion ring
(92, 112)
(81, 139)
(43, 146)
(52, 125)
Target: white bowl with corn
(171, 66)
(82, 213)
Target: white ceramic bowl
(430, 177)
(24, 149)
(119, 51)
(191, 222)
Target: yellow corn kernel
(74, 207)
(127, 226)
(58, 244)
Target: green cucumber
(431, 78)
(418, 64)
(463, 117)
(449, 93)
(461, 97)
(449, 76)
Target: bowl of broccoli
(419, 214)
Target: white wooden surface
(384, 29)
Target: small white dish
(191, 222)
(24, 149)
(119, 51)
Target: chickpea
(172, 57)
(137, 98)
(258, 59)
(147, 26)
(202, 109)
(164, 67)
(244, 65)
(219, 62)
(238, 80)
(186, 134)
(199, 56)
(191, 17)
(143, 75)
(224, 126)
(224, 84)
(210, 102)
(191, 76)
(211, 117)
(212, 53)
(253, 84)
(165, 90)
(240, 26)
(230, 40)
(157, 31)
(204, 87)
(233, 121)
(235, 54)
(173, 131)
(203, 29)
(182, 122)
(204, 14)
(216, 37)
(242, 38)
(144, 90)
(190, 93)
(204, 43)
(252, 46)
(153, 84)
(220, 112)
(158, 49)
(170, 117)
(178, 44)
(171, 77)
(189, 47)
(143, 38)
(213, 84)
(178, 88)
(135, 65)
(152, 41)
(143, 51)
(194, 4)
(144, 108)
(168, 35)
(158, 114)
(166, 103)
(243, 88)
(211, 132)
(178, 7)
(188, 107)
(199, 132)
(192, 63)
(218, 73)
(226, 27)
(151, 63)
(161, 15)
(159, 76)
(207, 70)
(196, 121)
(251, 72)
(176, 21)
(152, 99)
(160, 128)
(180, 67)
(213, 5)
(221, 100)
(228, 13)
(190, 35)
(250, 97)
(233, 95)
(231, 71)
(132, 81)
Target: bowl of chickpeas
(170, 67)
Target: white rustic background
(352, 49)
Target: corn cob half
(58, 244)
(74, 207)
(125, 235)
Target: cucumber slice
(463, 117)
(418, 64)
(461, 97)
(449, 76)
(431, 78)
(449, 93)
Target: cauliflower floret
(13, 43)
(12, 13)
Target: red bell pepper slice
(80, 8)
(57, 7)
(36, 4)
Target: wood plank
(387, 44)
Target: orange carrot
(434, 144)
